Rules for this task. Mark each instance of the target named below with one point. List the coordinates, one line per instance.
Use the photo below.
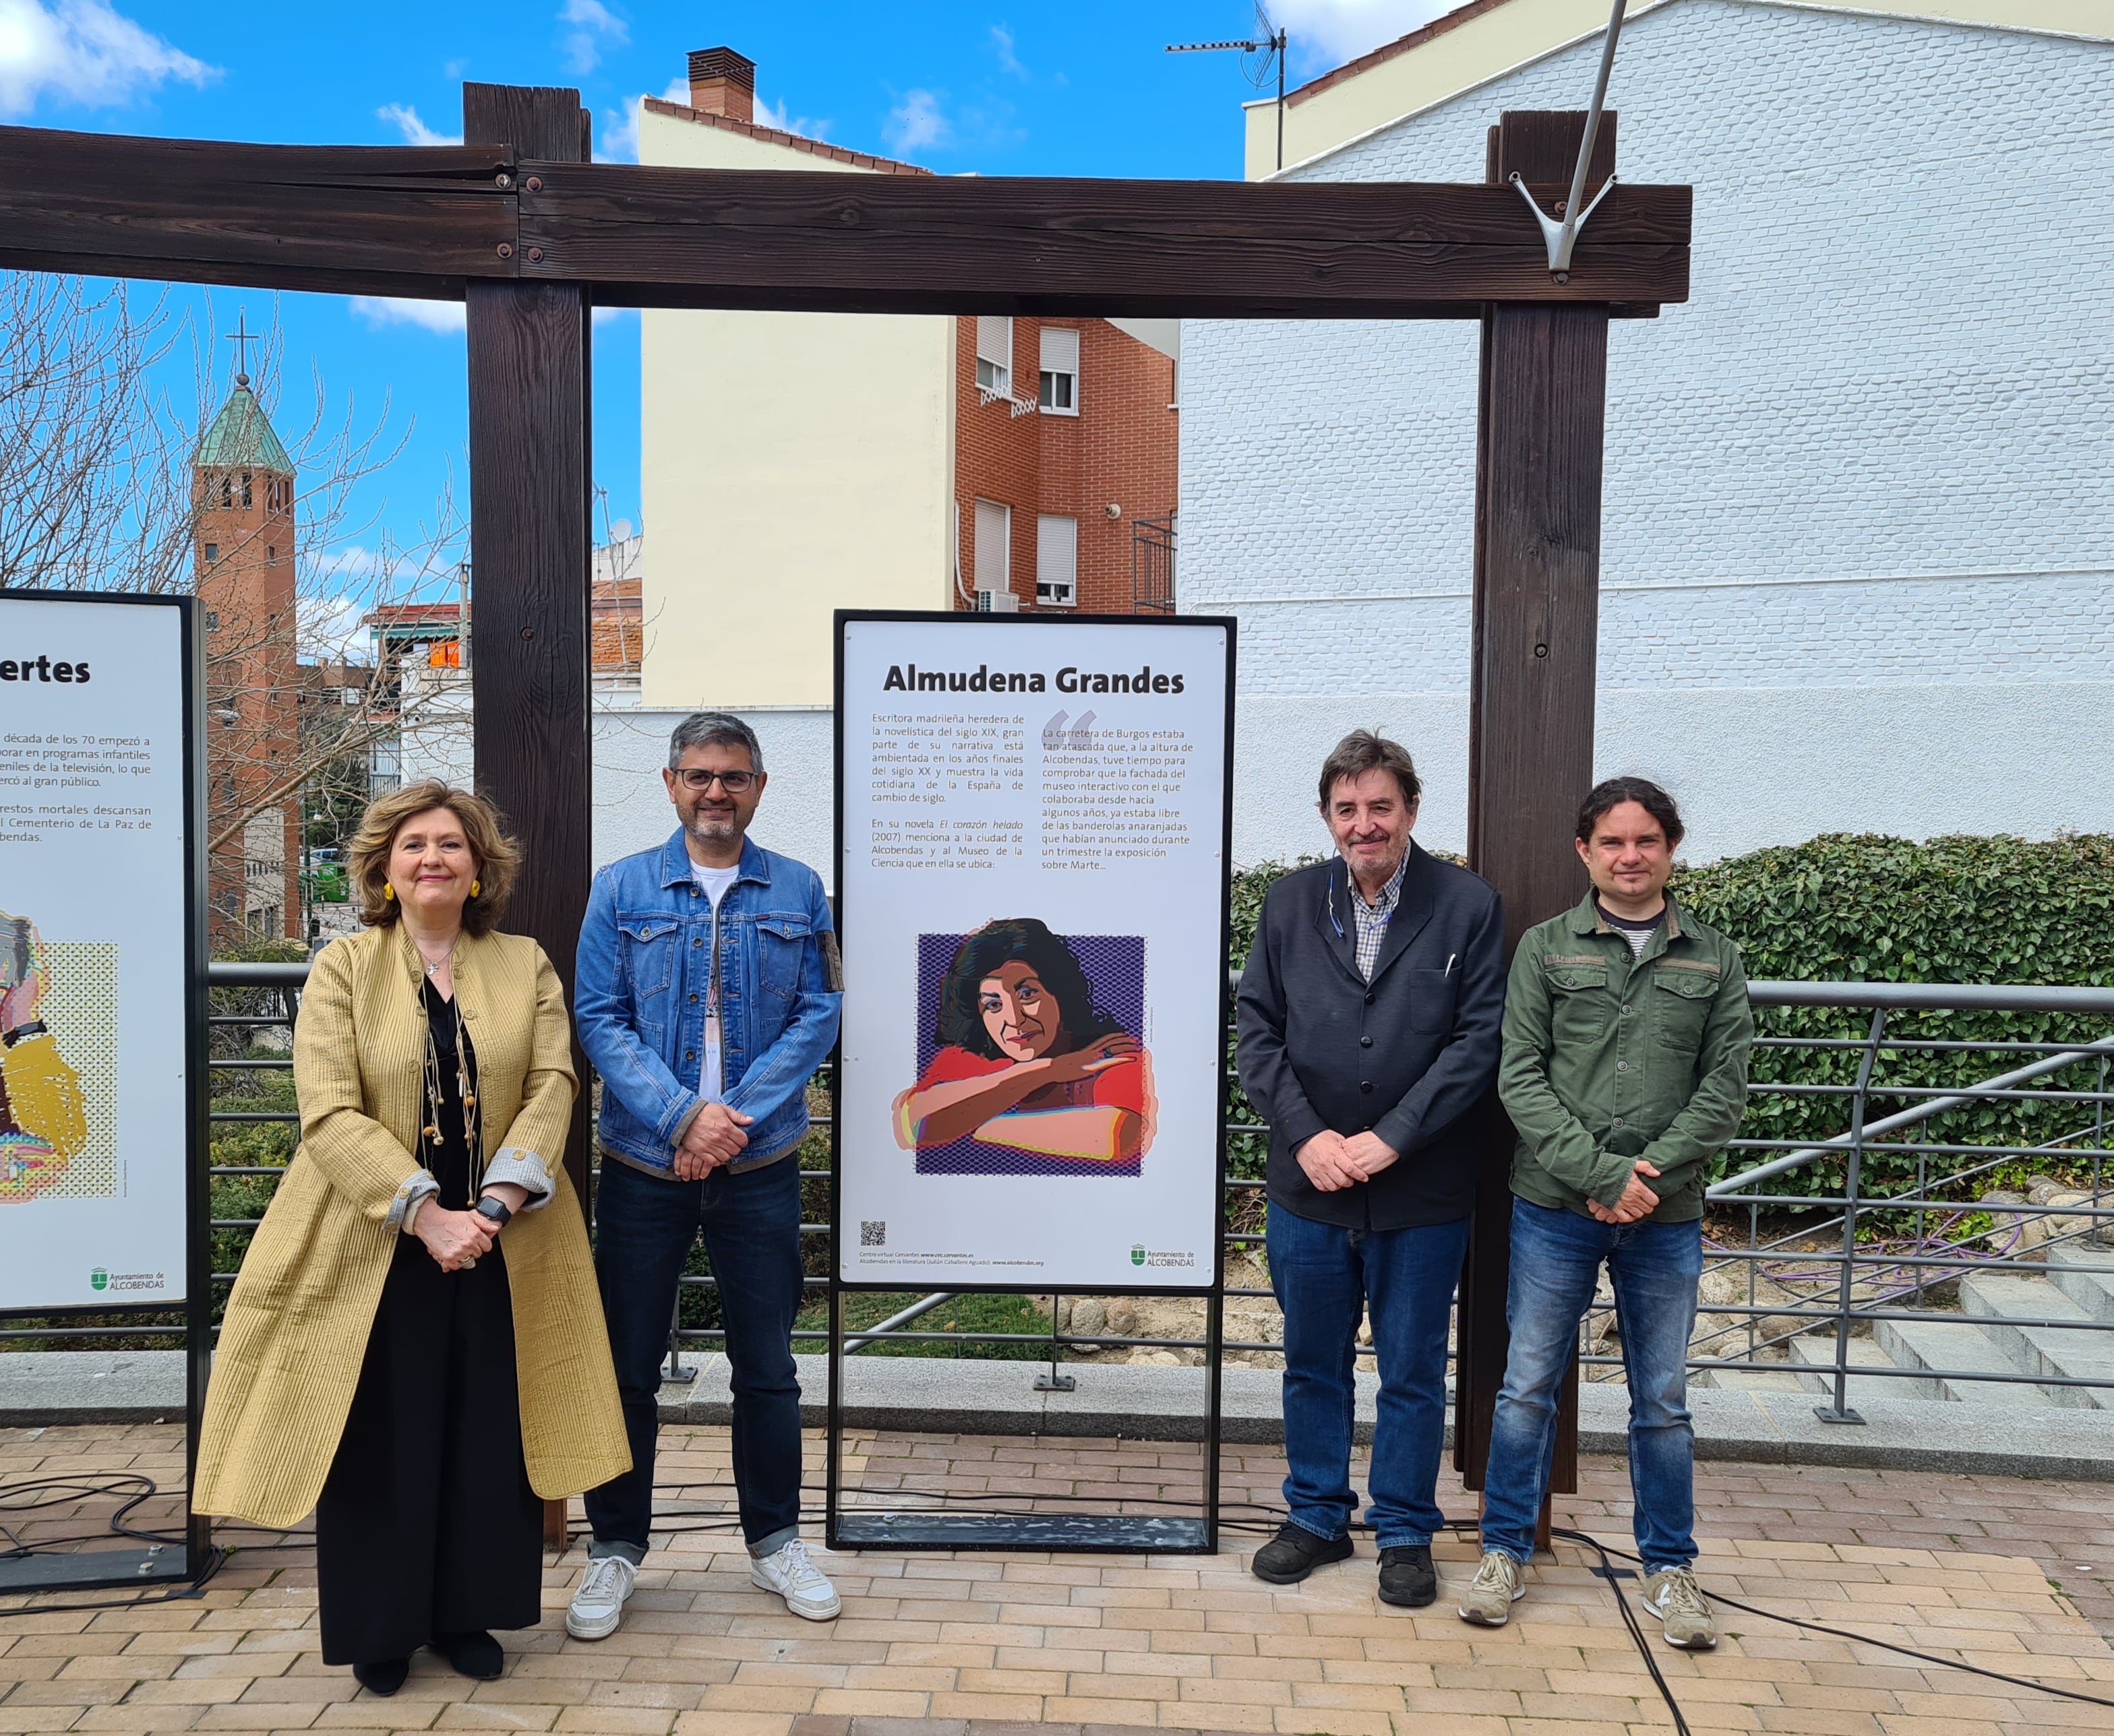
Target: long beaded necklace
(465, 1082)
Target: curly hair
(1612, 793)
(997, 943)
(497, 856)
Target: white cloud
(328, 627)
(917, 124)
(395, 310)
(1326, 33)
(405, 120)
(805, 125)
(81, 51)
(447, 318)
(1002, 43)
(619, 130)
(595, 27)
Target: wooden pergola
(518, 223)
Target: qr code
(873, 1232)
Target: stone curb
(932, 1395)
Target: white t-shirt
(713, 883)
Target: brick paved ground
(945, 1645)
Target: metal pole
(1573, 212)
(1283, 37)
(1051, 1381)
(676, 1371)
(1840, 1411)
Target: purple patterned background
(1114, 965)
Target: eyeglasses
(733, 782)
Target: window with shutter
(1059, 392)
(995, 353)
(994, 549)
(1056, 561)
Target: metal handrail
(1909, 1117)
(1842, 1211)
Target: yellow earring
(475, 887)
(388, 892)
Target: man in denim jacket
(708, 990)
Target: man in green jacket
(1624, 1070)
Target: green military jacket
(1608, 1058)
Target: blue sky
(1082, 88)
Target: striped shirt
(1372, 919)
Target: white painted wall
(791, 464)
(632, 811)
(1858, 555)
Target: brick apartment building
(1064, 464)
(796, 463)
(242, 497)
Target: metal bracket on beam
(1562, 237)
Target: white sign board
(95, 938)
(1032, 885)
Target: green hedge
(1873, 909)
(1955, 910)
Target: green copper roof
(242, 435)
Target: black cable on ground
(1864, 1639)
(52, 1491)
(1608, 1571)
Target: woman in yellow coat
(414, 1347)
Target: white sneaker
(597, 1606)
(790, 1571)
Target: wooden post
(1539, 436)
(530, 486)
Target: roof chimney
(723, 83)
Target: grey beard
(714, 831)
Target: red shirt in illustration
(1119, 1087)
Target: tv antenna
(1261, 55)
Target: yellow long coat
(297, 1324)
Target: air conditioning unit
(997, 602)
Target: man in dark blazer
(1370, 1014)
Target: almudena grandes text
(908, 678)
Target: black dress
(426, 1523)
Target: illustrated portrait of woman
(1025, 1060)
(43, 1118)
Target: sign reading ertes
(1032, 839)
(96, 937)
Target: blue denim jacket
(647, 950)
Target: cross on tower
(242, 337)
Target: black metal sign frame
(157, 1564)
(1114, 1533)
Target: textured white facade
(1858, 550)
(632, 811)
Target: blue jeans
(644, 1227)
(1654, 1268)
(1324, 1276)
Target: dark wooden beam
(1540, 439)
(893, 244)
(357, 220)
(426, 222)
(531, 454)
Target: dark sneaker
(1407, 1576)
(1295, 1552)
(382, 1677)
(475, 1655)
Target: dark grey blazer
(1407, 1055)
